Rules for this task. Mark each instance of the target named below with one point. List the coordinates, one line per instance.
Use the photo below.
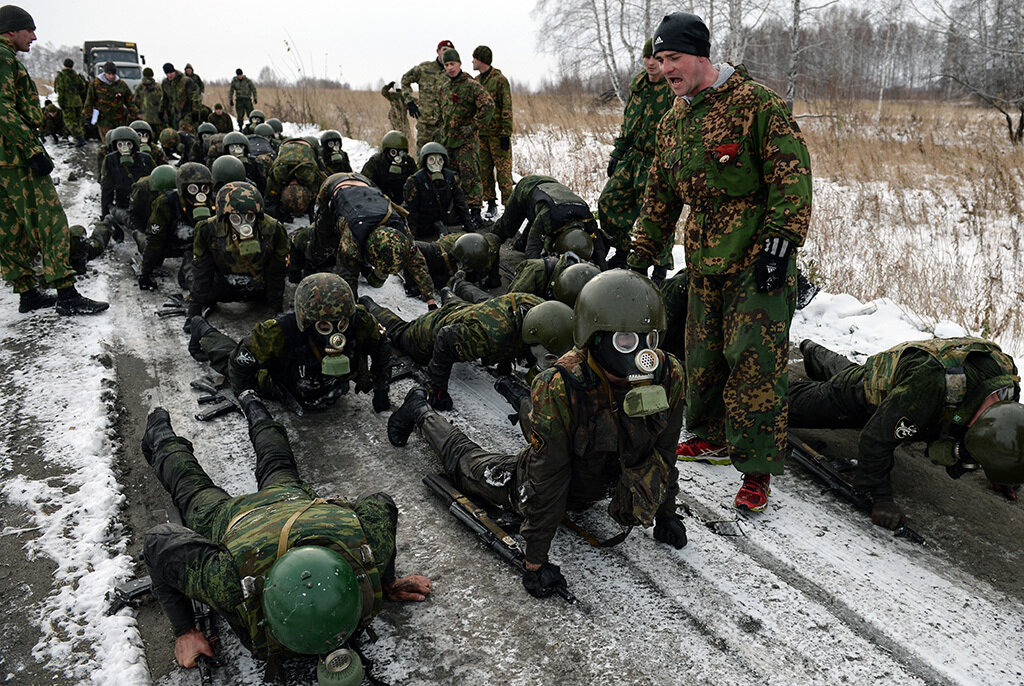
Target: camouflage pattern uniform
(180, 103)
(195, 79)
(538, 275)
(442, 265)
(170, 233)
(53, 122)
(85, 248)
(736, 156)
(431, 78)
(113, 100)
(466, 109)
(117, 179)
(32, 220)
(71, 89)
(296, 162)
(430, 202)
(378, 170)
(223, 274)
(148, 97)
(208, 560)
(899, 396)
(620, 201)
(496, 137)
(242, 94)
(222, 121)
(398, 118)
(140, 205)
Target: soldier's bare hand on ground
(413, 587)
(191, 645)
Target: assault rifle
(826, 472)
(476, 519)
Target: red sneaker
(698, 450)
(754, 492)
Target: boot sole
(708, 460)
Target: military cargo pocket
(732, 168)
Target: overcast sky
(355, 41)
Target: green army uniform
(222, 121)
(442, 264)
(431, 78)
(495, 161)
(466, 108)
(223, 274)
(299, 241)
(117, 179)
(623, 194)
(230, 543)
(195, 79)
(737, 157)
(900, 395)
(180, 102)
(170, 232)
(398, 118)
(242, 94)
(140, 204)
(71, 90)
(296, 163)
(378, 170)
(538, 275)
(148, 96)
(88, 247)
(32, 220)
(114, 102)
(53, 123)
(435, 203)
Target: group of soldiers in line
(616, 362)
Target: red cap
(445, 44)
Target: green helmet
(386, 249)
(206, 127)
(257, 117)
(394, 140)
(313, 141)
(323, 297)
(329, 135)
(996, 441)
(311, 600)
(169, 139)
(139, 126)
(236, 138)
(576, 241)
(432, 148)
(472, 252)
(265, 130)
(549, 324)
(276, 124)
(193, 172)
(227, 168)
(571, 281)
(617, 300)
(124, 133)
(239, 197)
(163, 178)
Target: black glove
(41, 164)
(770, 268)
(432, 306)
(670, 530)
(543, 582)
(391, 84)
(505, 143)
(381, 401)
(146, 282)
(439, 399)
(612, 163)
(886, 513)
(192, 310)
(414, 109)
(440, 227)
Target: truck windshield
(111, 55)
(122, 71)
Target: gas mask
(334, 148)
(396, 157)
(196, 195)
(144, 145)
(124, 148)
(620, 353)
(335, 362)
(205, 138)
(255, 121)
(236, 149)
(243, 224)
(542, 357)
(341, 666)
(434, 164)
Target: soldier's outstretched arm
(539, 228)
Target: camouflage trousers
(621, 201)
(399, 120)
(495, 162)
(737, 378)
(464, 160)
(426, 132)
(32, 222)
(243, 106)
(73, 121)
(415, 338)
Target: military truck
(124, 54)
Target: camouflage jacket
(430, 201)
(171, 230)
(296, 160)
(217, 259)
(140, 205)
(538, 275)
(378, 170)
(53, 120)
(549, 208)
(578, 439)
(198, 81)
(20, 114)
(736, 156)
(148, 96)
(113, 100)
(335, 166)
(179, 99)
(431, 78)
(647, 104)
(70, 87)
(466, 109)
(223, 122)
(397, 116)
(242, 87)
(276, 356)
(117, 179)
(497, 86)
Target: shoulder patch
(905, 429)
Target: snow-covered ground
(809, 592)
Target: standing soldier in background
(430, 77)
(180, 102)
(242, 95)
(731, 150)
(466, 109)
(397, 117)
(109, 102)
(619, 205)
(147, 98)
(71, 89)
(189, 72)
(53, 123)
(220, 119)
(32, 220)
(496, 137)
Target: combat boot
(407, 417)
(658, 275)
(199, 327)
(158, 430)
(512, 390)
(754, 492)
(447, 294)
(475, 220)
(35, 299)
(252, 406)
(492, 209)
(71, 302)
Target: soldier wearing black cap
(180, 100)
(496, 136)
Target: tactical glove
(612, 163)
(147, 283)
(391, 84)
(670, 530)
(414, 109)
(770, 268)
(505, 143)
(541, 583)
(41, 164)
(381, 401)
(431, 306)
(886, 513)
(439, 399)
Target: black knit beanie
(683, 32)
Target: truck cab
(122, 53)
